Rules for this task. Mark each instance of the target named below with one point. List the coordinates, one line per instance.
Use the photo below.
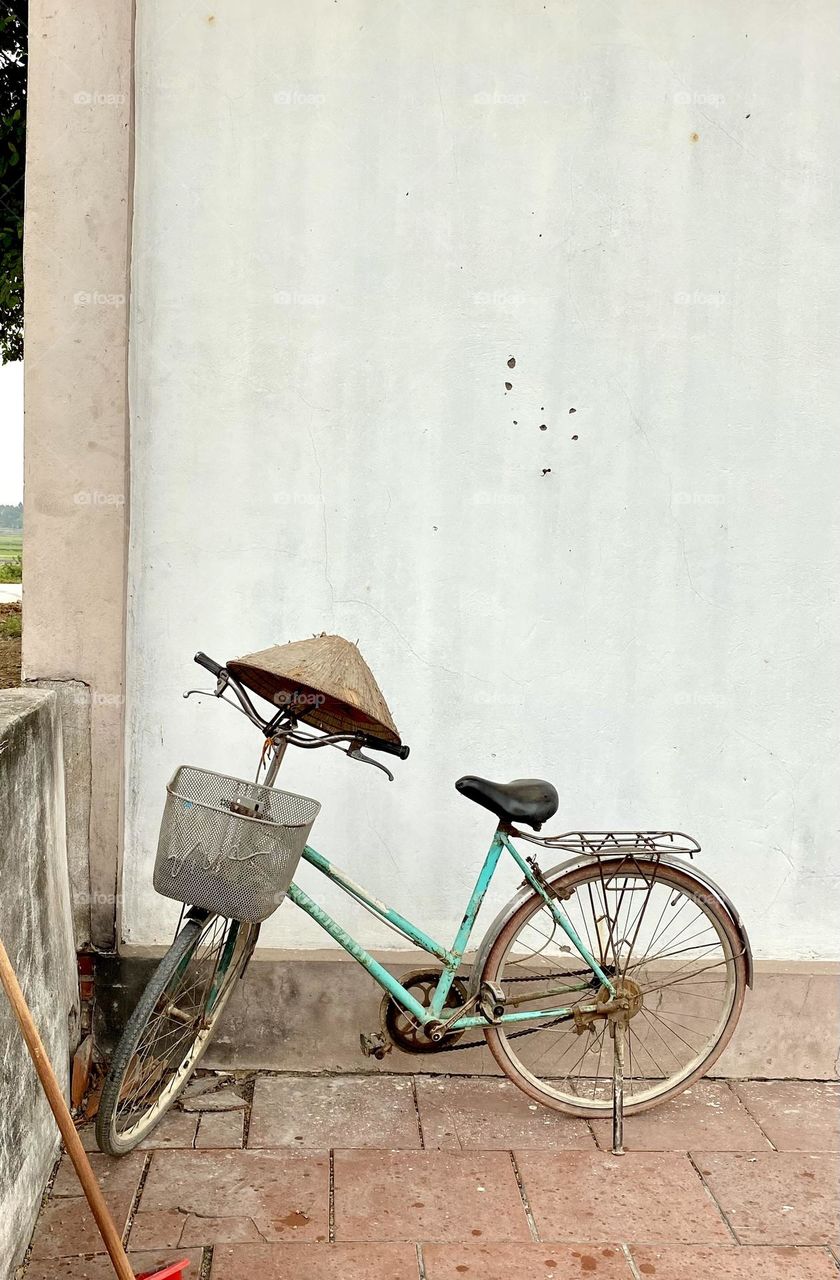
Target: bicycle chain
(443, 1047)
(512, 1035)
(544, 977)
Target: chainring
(399, 1026)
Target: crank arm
(460, 1013)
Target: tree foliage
(11, 517)
(12, 149)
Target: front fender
(571, 864)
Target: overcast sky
(11, 433)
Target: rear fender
(572, 864)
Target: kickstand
(617, 1033)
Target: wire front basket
(230, 846)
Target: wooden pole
(64, 1120)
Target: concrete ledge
(73, 698)
(37, 932)
(306, 1014)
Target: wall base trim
(305, 1015)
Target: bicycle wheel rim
(201, 976)
(576, 1074)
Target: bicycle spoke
(688, 977)
(666, 956)
(658, 1035)
(639, 918)
(670, 1027)
(658, 955)
(175, 1028)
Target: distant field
(11, 545)
(10, 629)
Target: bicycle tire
(538, 1088)
(175, 962)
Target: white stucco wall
(347, 218)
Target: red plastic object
(175, 1272)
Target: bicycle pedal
(375, 1045)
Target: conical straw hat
(325, 681)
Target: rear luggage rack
(597, 843)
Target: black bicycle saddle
(529, 800)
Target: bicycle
(609, 983)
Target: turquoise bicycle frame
(449, 957)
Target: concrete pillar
(76, 270)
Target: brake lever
(204, 693)
(356, 753)
(222, 683)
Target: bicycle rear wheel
(169, 1031)
(670, 947)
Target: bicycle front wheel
(169, 1031)
(669, 947)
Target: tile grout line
(631, 1261)
(331, 1210)
(730, 1085)
(421, 1264)
(713, 1197)
(46, 1197)
(135, 1199)
(422, 1136)
(523, 1195)
(206, 1263)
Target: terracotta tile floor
(383, 1177)
(796, 1116)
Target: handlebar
(370, 740)
(215, 668)
(382, 744)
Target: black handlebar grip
(215, 668)
(382, 744)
